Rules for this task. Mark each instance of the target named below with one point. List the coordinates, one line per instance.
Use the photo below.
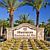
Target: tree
(24, 19)
(45, 33)
(36, 4)
(48, 27)
(42, 24)
(11, 6)
(48, 21)
(3, 25)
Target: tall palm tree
(24, 19)
(11, 6)
(36, 4)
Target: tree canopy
(8, 4)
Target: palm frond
(31, 4)
(11, 2)
(23, 3)
(28, 0)
(2, 5)
(14, 1)
(45, 4)
(26, 3)
(16, 4)
(49, 4)
(38, 4)
(5, 2)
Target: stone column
(9, 34)
(1, 30)
(43, 34)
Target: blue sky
(44, 13)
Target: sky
(43, 17)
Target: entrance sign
(24, 32)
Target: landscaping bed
(14, 44)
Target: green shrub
(0, 44)
(25, 45)
(42, 45)
(33, 45)
(15, 48)
(46, 42)
(5, 48)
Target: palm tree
(48, 27)
(3, 25)
(11, 6)
(48, 21)
(24, 19)
(42, 24)
(36, 4)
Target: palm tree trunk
(37, 23)
(11, 18)
(11, 21)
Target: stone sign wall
(25, 30)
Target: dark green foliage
(23, 19)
